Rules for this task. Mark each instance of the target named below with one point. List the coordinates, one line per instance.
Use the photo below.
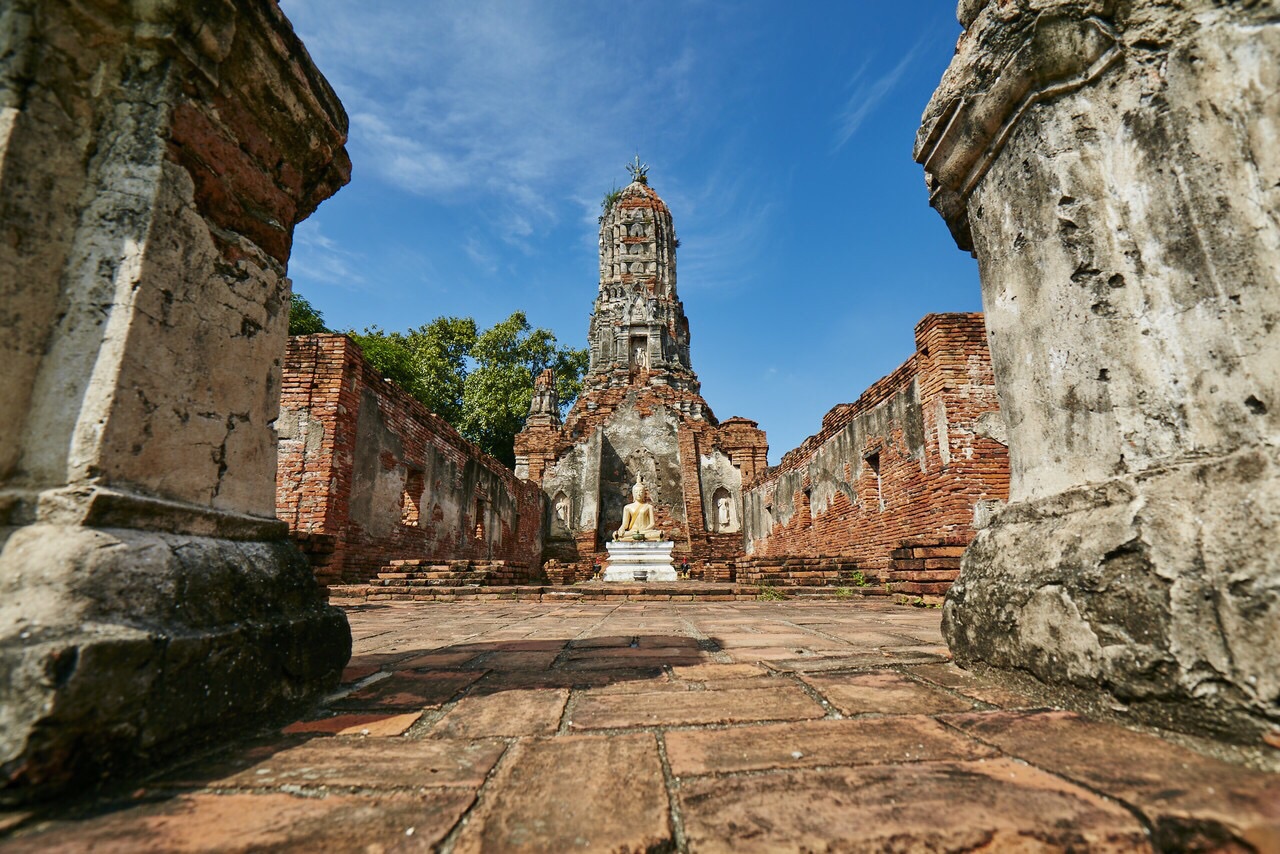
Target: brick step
(598, 592)
(461, 577)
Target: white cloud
(491, 100)
(867, 94)
(319, 258)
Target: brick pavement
(726, 726)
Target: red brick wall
(367, 475)
(918, 423)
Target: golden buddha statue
(637, 517)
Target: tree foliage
(429, 362)
(304, 318)
(480, 382)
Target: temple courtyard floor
(672, 726)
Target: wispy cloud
(480, 254)
(319, 258)
(490, 101)
(867, 94)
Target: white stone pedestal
(640, 561)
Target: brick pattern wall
(897, 472)
(367, 475)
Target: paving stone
(434, 660)
(604, 641)
(198, 822)
(338, 763)
(607, 711)
(371, 725)
(884, 692)
(1192, 801)
(409, 689)
(504, 713)
(712, 671)
(515, 660)
(612, 657)
(989, 805)
(590, 793)
(622, 680)
(859, 661)
(807, 744)
(973, 685)
(357, 672)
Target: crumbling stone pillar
(154, 158)
(1114, 165)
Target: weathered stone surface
(533, 805)
(409, 689)
(375, 725)
(1192, 802)
(154, 158)
(1113, 166)
(996, 804)
(805, 744)
(884, 693)
(373, 763)
(273, 822)
(504, 713)
(895, 783)
(766, 703)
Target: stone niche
(1115, 168)
(154, 158)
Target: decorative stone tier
(640, 561)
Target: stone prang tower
(641, 415)
(639, 334)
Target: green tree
(497, 391)
(304, 318)
(481, 383)
(390, 353)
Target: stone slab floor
(644, 727)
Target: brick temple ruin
(367, 476)
(1111, 164)
(640, 415)
(380, 492)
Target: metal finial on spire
(639, 171)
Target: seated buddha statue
(637, 517)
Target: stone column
(155, 156)
(1114, 165)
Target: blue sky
(484, 135)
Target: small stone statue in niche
(562, 509)
(637, 517)
(723, 512)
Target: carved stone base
(120, 646)
(1161, 590)
(640, 561)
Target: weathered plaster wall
(905, 462)
(154, 159)
(1115, 167)
(380, 478)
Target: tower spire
(639, 171)
(639, 335)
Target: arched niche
(724, 512)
